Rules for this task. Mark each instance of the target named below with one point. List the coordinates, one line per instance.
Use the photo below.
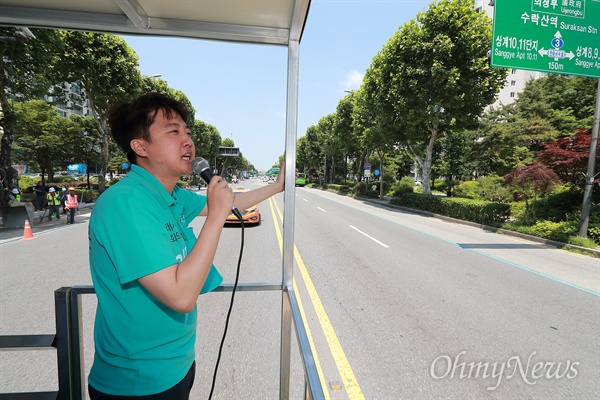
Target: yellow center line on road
(301, 308)
(345, 370)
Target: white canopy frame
(269, 22)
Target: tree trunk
(332, 169)
(428, 161)
(104, 163)
(361, 163)
(8, 175)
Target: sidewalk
(37, 226)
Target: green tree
(85, 146)
(533, 123)
(329, 144)
(452, 161)
(302, 154)
(106, 70)
(44, 136)
(311, 153)
(435, 76)
(207, 140)
(343, 129)
(568, 93)
(25, 55)
(496, 148)
(155, 85)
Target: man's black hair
(132, 120)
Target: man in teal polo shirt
(146, 269)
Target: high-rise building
(70, 100)
(517, 78)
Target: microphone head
(201, 167)
(199, 164)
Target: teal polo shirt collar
(144, 178)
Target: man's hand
(219, 197)
(281, 177)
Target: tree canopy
(25, 56)
(432, 76)
(106, 69)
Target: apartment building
(69, 101)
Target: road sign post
(556, 36)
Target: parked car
(250, 215)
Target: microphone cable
(235, 284)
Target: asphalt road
(398, 306)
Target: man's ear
(139, 147)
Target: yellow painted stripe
(302, 313)
(345, 370)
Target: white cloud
(353, 80)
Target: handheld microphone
(202, 168)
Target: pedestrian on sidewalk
(72, 205)
(40, 196)
(53, 203)
(63, 198)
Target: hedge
(483, 212)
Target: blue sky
(241, 88)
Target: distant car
(250, 215)
(301, 179)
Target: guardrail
(68, 342)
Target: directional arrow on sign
(556, 54)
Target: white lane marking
(304, 199)
(321, 209)
(370, 237)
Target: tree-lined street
(405, 295)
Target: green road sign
(556, 36)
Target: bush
(517, 210)
(338, 188)
(482, 212)
(438, 185)
(583, 242)
(594, 232)
(468, 190)
(561, 202)
(406, 185)
(362, 191)
(493, 189)
(26, 182)
(559, 231)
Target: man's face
(170, 151)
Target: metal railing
(68, 342)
